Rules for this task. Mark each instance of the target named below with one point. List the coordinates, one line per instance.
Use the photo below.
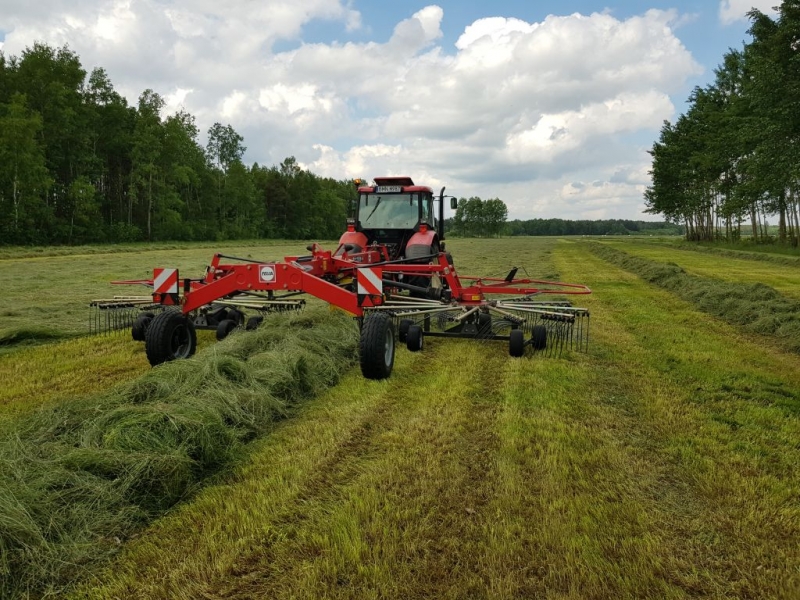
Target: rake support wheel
(171, 335)
(414, 338)
(516, 343)
(539, 337)
(377, 345)
(224, 328)
(402, 329)
(253, 322)
(140, 325)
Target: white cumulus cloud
(736, 10)
(513, 109)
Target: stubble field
(662, 463)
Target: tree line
(79, 165)
(596, 227)
(733, 158)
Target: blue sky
(550, 106)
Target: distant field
(660, 464)
(50, 290)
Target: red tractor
(390, 271)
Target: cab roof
(404, 181)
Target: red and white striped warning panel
(369, 281)
(165, 281)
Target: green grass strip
(780, 255)
(79, 477)
(756, 308)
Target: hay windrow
(23, 335)
(79, 477)
(756, 308)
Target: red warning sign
(369, 281)
(165, 281)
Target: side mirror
(453, 203)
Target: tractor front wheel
(376, 347)
(171, 335)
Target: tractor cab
(399, 215)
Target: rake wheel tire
(414, 338)
(539, 337)
(516, 343)
(484, 323)
(236, 316)
(171, 336)
(224, 328)
(402, 329)
(140, 325)
(376, 346)
(253, 322)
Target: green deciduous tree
(24, 178)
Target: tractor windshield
(392, 211)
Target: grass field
(743, 268)
(661, 464)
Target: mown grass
(50, 294)
(78, 476)
(731, 267)
(755, 307)
(660, 465)
(17, 252)
(61, 371)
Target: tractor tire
(377, 345)
(140, 325)
(414, 338)
(171, 335)
(402, 329)
(253, 322)
(516, 343)
(539, 337)
(224, 328)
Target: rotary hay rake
(390, 271)
(365, 284)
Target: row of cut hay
(756, 308)
(76, 479)
(26, 335)
(748, 252)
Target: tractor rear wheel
(376, 347)
(171, 335)
(539, 337)
(414, 338)
(516, 343)
(140, 325)
(224, 328)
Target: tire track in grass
(410, 524)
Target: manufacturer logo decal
(267, 273)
